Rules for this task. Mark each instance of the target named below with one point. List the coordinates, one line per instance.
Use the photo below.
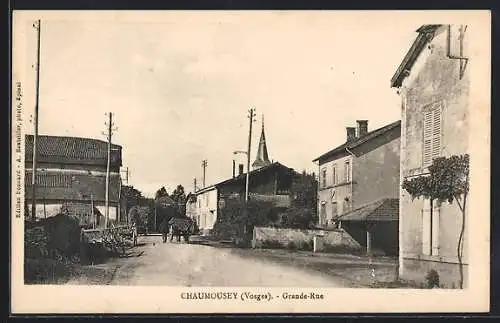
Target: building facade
(433, 82)
(362, 171)
(205, 208)
(71, 171)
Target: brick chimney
(351, 133)
(240, 169)
(362, 127)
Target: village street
(154, 263)
(180, 264)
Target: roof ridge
(362, 139)
(72, 137)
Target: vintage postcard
(250, 161)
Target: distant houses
(433, 82)
(359, 186)
(71, 176)
(268, 181)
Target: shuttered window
(334, 174)
(432, 134)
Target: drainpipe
(350, 152)
(463, 60)
(350, 175)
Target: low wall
(265, 237)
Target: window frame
(347, 171)
(323, 177)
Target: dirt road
(180, 264)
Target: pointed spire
(262, 155)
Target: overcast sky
(180, 84)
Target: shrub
(432, 278)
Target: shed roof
(386, 209)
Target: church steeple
(262, 156)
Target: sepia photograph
(250, 161)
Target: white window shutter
(426, 228)
(436, 132)
(427, 153)
(432, 134)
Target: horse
(184, 227)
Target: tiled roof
(72, 150)
(359, 141)
(425, 34)
(74, 187)
(386, 209)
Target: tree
(139, 215)
(161, 192)
(132, 196)
(447, 181)
(179, 197)
(302, 211)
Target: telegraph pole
(251, 115)
(109, 134)
(38, 27)
(204, 165)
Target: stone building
(358, 179)
(433, 82)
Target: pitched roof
(359, 141)
(386, 209)
(262, 158)
(425, 34)
(72, 187)
(72, 150)
(254, 172)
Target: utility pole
(204, 165)
(38, 27)
(194, 182)
(251, 115)
(109, 134)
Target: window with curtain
(432, 133)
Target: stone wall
(283, 238)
